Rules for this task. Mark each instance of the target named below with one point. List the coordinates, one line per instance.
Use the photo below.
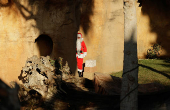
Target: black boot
(79, 74)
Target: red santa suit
(81, 52)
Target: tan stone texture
(104, 38)
(23, 21)
(101, 23)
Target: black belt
(80, 51)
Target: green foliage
(154, 52)
(52, 62)
(58, 64)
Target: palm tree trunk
(129, 89)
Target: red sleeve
(84, 46)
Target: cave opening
(45, 45)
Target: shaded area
(81, 100)
(154, 101)
(72, 96)
(107, 102)
(151, 96)
(86, 13)
(158, 13)
(45, 45)
(9, 96)
(77, 99)
(167, 61)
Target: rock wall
(49, 27)
(36, 27)
(104, 37)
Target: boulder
(38, 74)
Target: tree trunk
(129, 89)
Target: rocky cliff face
(103, 32)
(49, 27)
(37, 27)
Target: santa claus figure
(81, 52)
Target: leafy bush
(59, 67)
(52, 62)
(154, 52)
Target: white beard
(78, 46)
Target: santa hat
(79, 35)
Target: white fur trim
(80, 70)
(78, 35)
(80, 56)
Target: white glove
(84, 54)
